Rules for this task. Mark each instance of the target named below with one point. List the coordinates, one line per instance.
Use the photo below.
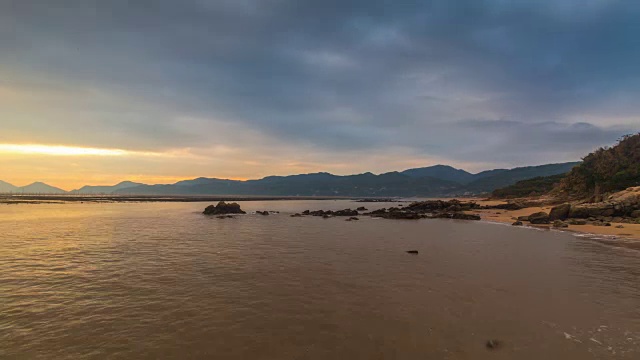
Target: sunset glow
(58, 150)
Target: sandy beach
(628, 231)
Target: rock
(306, 212)
(414, 252)
(560, 212)
(262, 213)
(463, 216)
(352, 219)
(517, 223)
(346, 212)
(523, 218)
(539, 218)
(296, 215)
(560, 224)
(619, 227)
(493, 344)
(607, 224)
(326, 216)
(577, 222)
(224, 217)
(223, 208)
(362, 208)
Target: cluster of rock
(622, 207)
(435, 209)
(432, 209)
(223, 209)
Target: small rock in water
(517, 223)
(262, 212)
(415, 252)
(493, 344)
(296, 215)
(362, 208)
(352, 219)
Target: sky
(95, 92)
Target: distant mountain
(5, 187)
(496, 179)
(318, 184)
(105, 189)
(443, 172)
(432, 181)
(40, 188)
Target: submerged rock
(223, 208)
(262, 213)
(414, 252)
(353, 218)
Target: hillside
(499, 179)
(443, 172)
(40, 188)
(530, 187)
(606, 170)
(5, 187)
(105, 189)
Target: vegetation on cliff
(606, 170)
(531, 187)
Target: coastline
(627, 232)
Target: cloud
(343, 78)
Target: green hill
(530, 187)
(605, 170)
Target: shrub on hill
(605, 170)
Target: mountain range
(438, 180)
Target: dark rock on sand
(517, 223)
(560, 224)
(414, 252)
(539, 218)
(560, 212)
(223, 208)
(577, 222)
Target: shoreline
(613, 234)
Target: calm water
(145, 281)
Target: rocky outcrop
(560, 224)
(223, 209)
(539, 218)
(560, 212)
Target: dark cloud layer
(505, 82)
